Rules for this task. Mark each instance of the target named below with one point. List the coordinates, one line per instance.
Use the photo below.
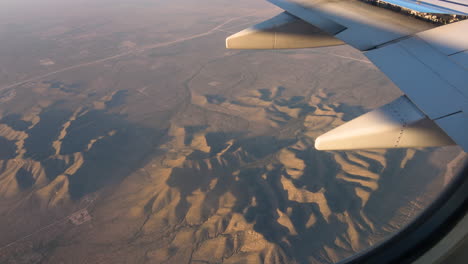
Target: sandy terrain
(135, 137)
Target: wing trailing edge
(428, 63)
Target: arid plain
(129, 134)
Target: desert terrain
(129, 134)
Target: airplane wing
(422, 46)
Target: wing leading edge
(428, 63)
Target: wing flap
(310, 16)
(456, 126)
(429, 64)
(438, 63)
(461, 59)
(448, 39)
(435, 82)
(367, 26)
(432, 94)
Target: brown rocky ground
(176, 150)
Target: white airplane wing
(422, 46)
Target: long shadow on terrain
(38, 145)
(103, 147)
(247, 168)
(409, 184)
(25, 178)
(64, 87)
(14, 121)
(211, 165)
(7, 149)
(118, 148)
(264, 186)
(118, 99)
